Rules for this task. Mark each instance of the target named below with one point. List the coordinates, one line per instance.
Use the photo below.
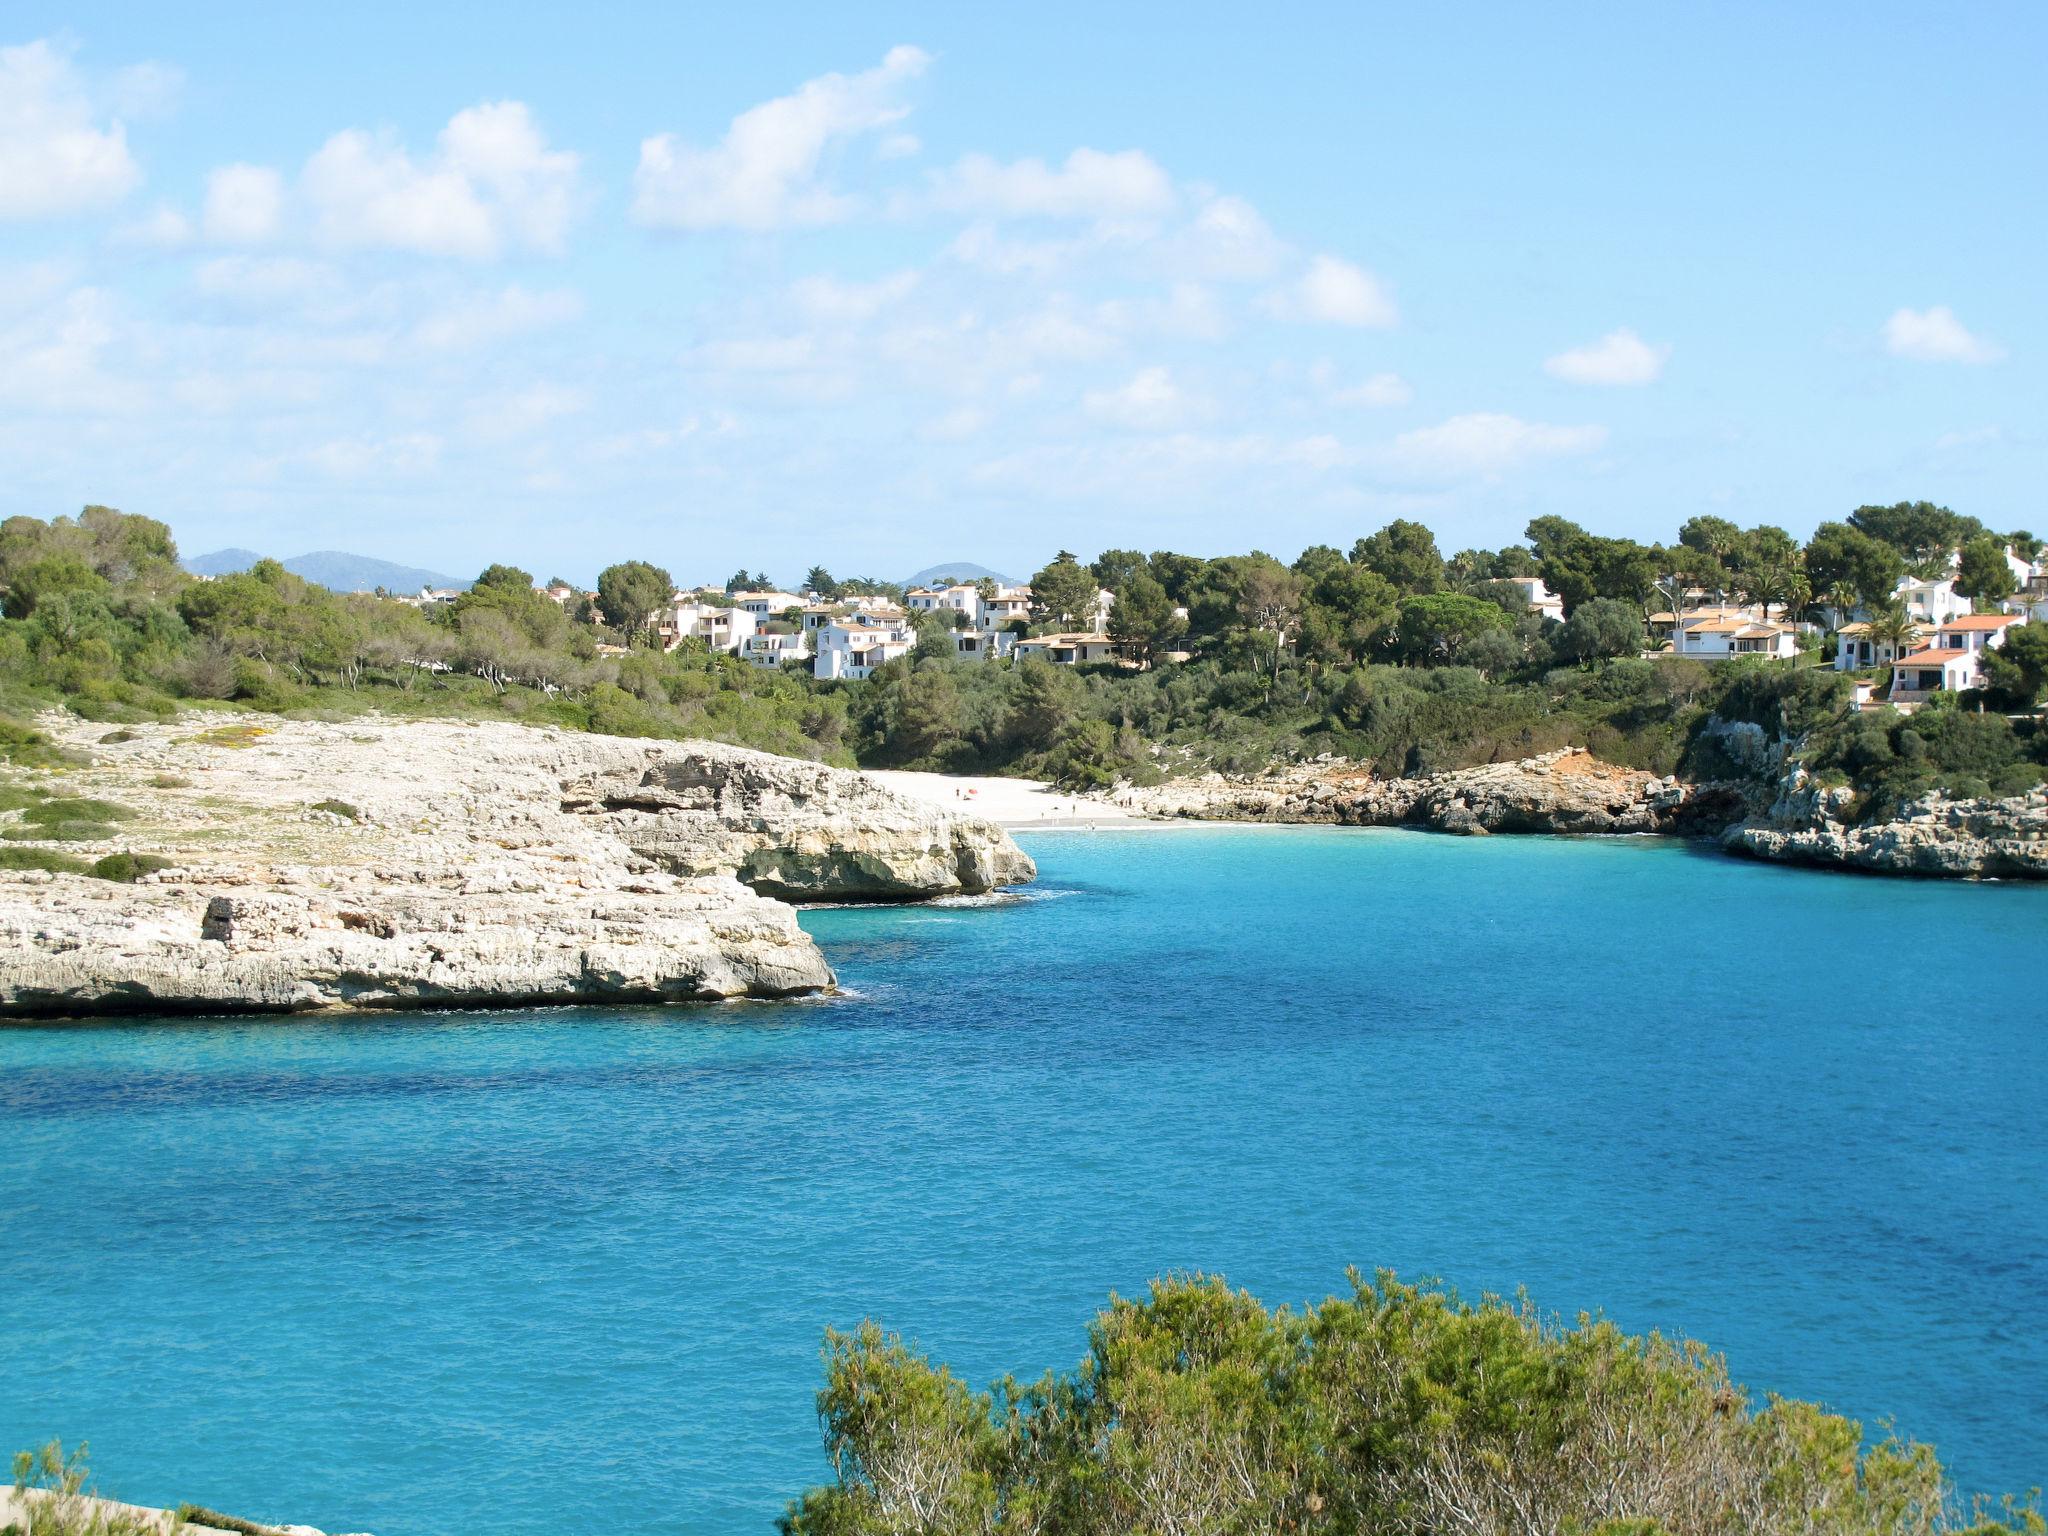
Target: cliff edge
(387, 864)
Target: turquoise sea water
(485, 1273)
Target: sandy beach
(1014, 803)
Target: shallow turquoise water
(474, 1273)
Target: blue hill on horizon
(334, 569)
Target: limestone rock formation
(1569, 791)
(794, 830)
(2004, 838)
(439, 864)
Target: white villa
(1931, 601)
(1073, 649)
(1855, 649)
(1953, 661)
(1720, 634)
(853, 648)
(1539, 597)
(767, 648)
(766, 604)
(689, 618)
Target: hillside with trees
(1389, 653)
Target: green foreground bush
(1396, 1410)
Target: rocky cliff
(1574, 792)
(438, 864)
(2001, 838)
(1569, 791)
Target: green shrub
(339, 808)
(1394, 1409)
(127, 868)
(63, 1503)
(42, 858)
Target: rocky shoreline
(1790, 819)
(421, 864)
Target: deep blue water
(476, 1273)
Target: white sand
(1008, 802)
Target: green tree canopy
(1405, 554)
(1440, 628)
(629, 593)
(1600, 628)
(1064, 592)
(1984, 574)
(1393, 1409)
(1840, 554)
(1919, 530)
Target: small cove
(409, 1273)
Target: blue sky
(882, 286)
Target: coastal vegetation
(1391, 654)
(1395, 1410)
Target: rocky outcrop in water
(1569, 791)
(440, 864)
(1778, 813)
(2003, 838)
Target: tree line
(1390, 653)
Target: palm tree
(1767, 585)
(1894, 629)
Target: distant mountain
(967, 570)
(330, 568)
(222, 562)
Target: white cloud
(828, 298)
(1335, 292)
(491, 183)
(1228, 238)
(145, 90)
(244, 204)
(486, 317)
(518, 414)
(52, 354)
(404, 455)
(1618, 358)
(1127, 184)
(1485, 443)
(898, 146)
(55, 158)
(1380, 391)
(1936, 336)
(764, 174)
(265, 280)
(1150, 402)
(1974, 437)
(955, 425)
(164, 228)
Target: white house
(766, 604)
(1006, 607)
(767, 648)
(1933, 601)
(983, 644)
(1720, 634)
(850, 648)
(1854, 648)
(963, 597)
(1539, 597)
(1073, 649)
(722, 629)
(1954, 660)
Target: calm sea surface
(482, 1274)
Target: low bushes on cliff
(1395, 1409)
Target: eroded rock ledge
(1570, 791)
(1783, 815)
(385, 864)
